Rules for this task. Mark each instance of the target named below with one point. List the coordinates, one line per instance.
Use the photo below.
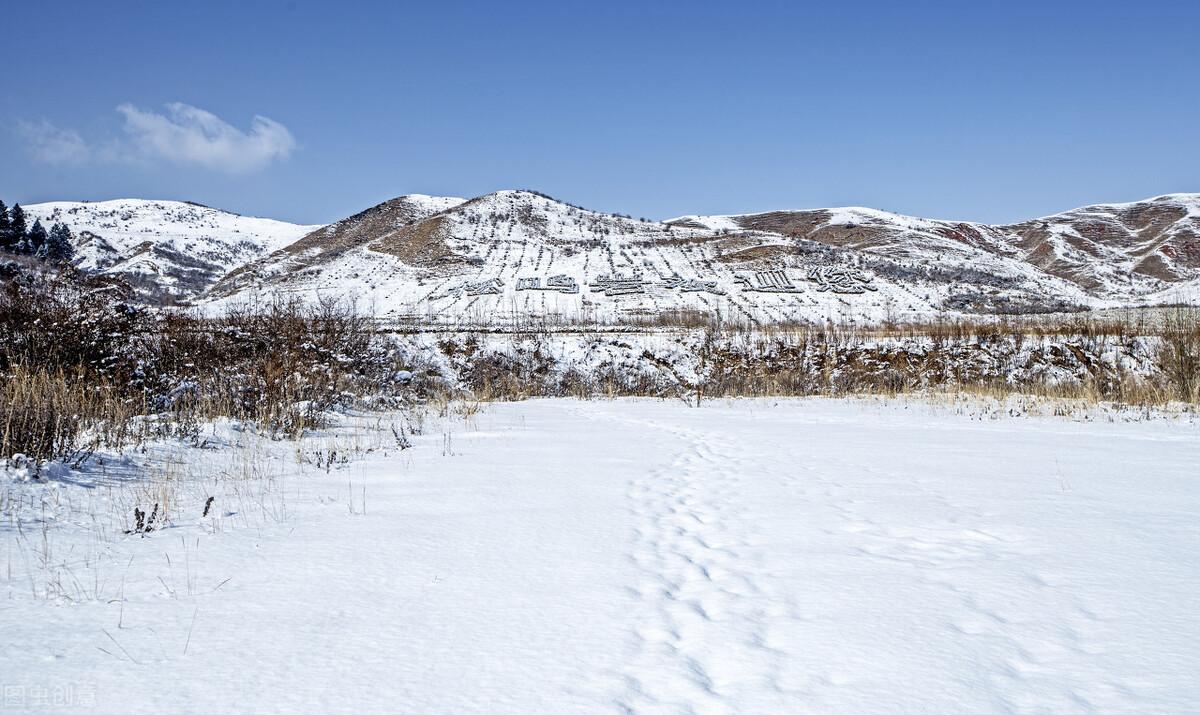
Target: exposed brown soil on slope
(421, 244)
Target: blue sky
(976, 111)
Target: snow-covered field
(559, 556)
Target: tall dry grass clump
(1179, 355)
(41, 415)
(53, 415)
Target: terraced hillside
(515, 255)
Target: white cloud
(190, 135)
(52, 145)
(183, 134)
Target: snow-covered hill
(515, 255)
(327, 245)
(165, 248)
(1130, 246)
(1113, 251)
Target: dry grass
(82, 368)
(42, 415)
(1179, 355)
(1122, 323)
(1132, 361)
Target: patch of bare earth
(422, 244)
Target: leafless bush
(78, 356)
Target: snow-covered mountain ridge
(1109, 249)
(512, 255)
(165, 248)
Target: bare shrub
(1131, 363)
(77, 356)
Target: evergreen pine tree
(36, 239)
(16, 222)
(6, 242)
(59, 247)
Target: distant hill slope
(165, 248)
(325, 245)
(513, 255)
(1110, 250)
(1106, 245)
(517, 255)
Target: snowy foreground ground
(639, 556)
